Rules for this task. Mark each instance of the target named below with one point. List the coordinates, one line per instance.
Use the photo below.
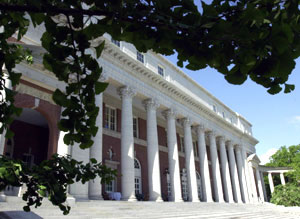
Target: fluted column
(95, 187)
(234, 174)
(215, 167)
(190, 161)
(153, 151)
(173, 156)
(225, 171)
(263, 186)
(282, 180)
(259, 184)
(271, 182)
(253, 184)
(248, 184)
(203, 162)
(127, 144)
(241, 173)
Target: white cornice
(113, 54)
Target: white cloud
(295, 120)
(264, 158)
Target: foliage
(287, 195)
(288, 157)
(51, 178)
(240, 38)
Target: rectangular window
(140, 57)
(109, 187)
(231, 120)
(223, 114)
(160, 71)
(215, 108)
(135, 127)
(110, 118)
(116, 42)
(182, 144)
(195, 149)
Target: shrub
(287, 195)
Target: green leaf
(100, 87)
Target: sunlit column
(174, 171)
(153, 151)
(190, 161)
(282, 179)
(215, 166)
(225, 171)
(204, 167)
(271, 182)
(259, 184)
(241, 173)
(127, 144)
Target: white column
(153, 151)
(190, 161)
(95, 186)
(271, 182)
(203, 162)
(234, 174)
(253, 184)
(282, 179)
(127, 144)
(248, 184)
(263, 186)
(215, 167)
(173, 156)
(241, 173)
(225, 171)
(259, 184)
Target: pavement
(141, 210)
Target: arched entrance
(31, 138)
(137, 177)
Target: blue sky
(275, 119)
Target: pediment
(253, 158)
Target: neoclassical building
(168, 138)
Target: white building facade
(168, 138)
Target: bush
(287, 195)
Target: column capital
(229, 144)
(199, 128)
(212, 133)
(221, 138)
(169, 113)
(238, 147)
(151, 104)
(103, 77)
(126, 92)
(186, 122)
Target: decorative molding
(151, 104)
(169, 114)
(126, 92)
(25, 89)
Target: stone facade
(168, 138)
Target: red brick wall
(162, 136)
(142, 126)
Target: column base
(2, 197)
(157, 199)
(70, 200)
(96, 197)
(129, 199)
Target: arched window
(199, 186)
(137, 177)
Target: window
(195, 149)
(137, 177)
(160, 71)
(231, 120)
(169, 186)
(215, 108)
(109, 187)
(110, 118)
(184, 185)
(140, 57)
(182, 144)
(135, 127)
(116, 42)
(199, 186)
(223, 114)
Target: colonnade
(228, 174)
